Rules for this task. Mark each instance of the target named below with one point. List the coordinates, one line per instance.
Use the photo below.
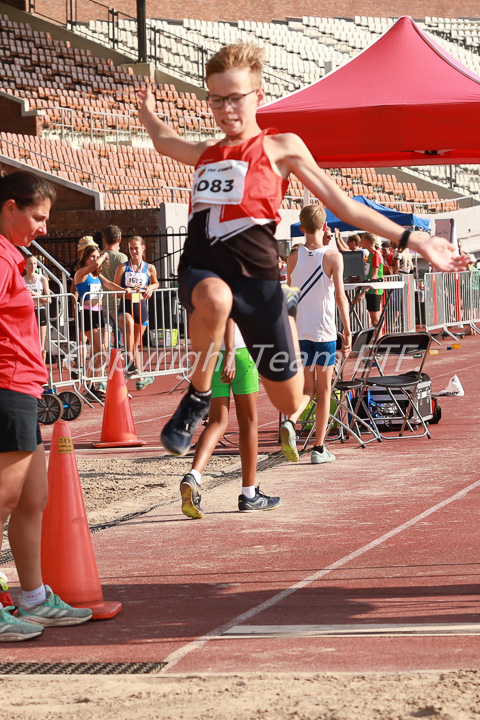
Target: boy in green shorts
(234, 370)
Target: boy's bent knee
(213, 298)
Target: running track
(371, 563)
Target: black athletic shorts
(139, 311)
(18, 422)
(260, 311)
(41, 315)
(92, 319)
(374, 302)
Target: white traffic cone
(454, 387)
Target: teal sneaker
(143, 382)
(52, 612)
(14, 630)
(322, 457)
(289, 441)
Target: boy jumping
(229, 265)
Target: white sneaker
(322, 457)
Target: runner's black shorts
(41, 315)
(92, 319)
(260, 311)
(374, 302)
(19, 422)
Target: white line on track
(178, 655)
(457, 370)
(351, 630)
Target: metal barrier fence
(452, 299)
(77, 339)
(400, 313)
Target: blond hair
(371, 238)
(312, 218)
(239, 56)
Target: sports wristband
(403, 242)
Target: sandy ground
(145, 483)
(378, 696)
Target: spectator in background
(25, 203)
(291, 259)
(112, 237)
(81, 245)
(353, 242)
(139, 279)
(374, 272)
(319, 273)
(282, 267)
(471, 259)
(387, 255)
(37, 286)
(343, 245)
(402, 262)
(88, 283)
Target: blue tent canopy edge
(405, 219)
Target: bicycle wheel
(72, 404)
(50, 409)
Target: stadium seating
(88, 117)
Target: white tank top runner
(37, 285)
(316, 308)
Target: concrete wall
(265, 11)
(15, 117)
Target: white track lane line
(178, 655)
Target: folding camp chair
(345, 416)
(401, 389)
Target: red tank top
(234, 206)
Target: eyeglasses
(236, 100)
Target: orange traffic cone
(68, 561)
(118, 429)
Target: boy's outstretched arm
(292, 153)
(165, 139)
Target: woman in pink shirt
(25, 202)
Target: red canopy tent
(402, 101)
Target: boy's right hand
(146, 104)
(228, 370)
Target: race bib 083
(220, 183)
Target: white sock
(35, 597)
(249, 491)
(197, 475)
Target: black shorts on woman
(19, 422)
